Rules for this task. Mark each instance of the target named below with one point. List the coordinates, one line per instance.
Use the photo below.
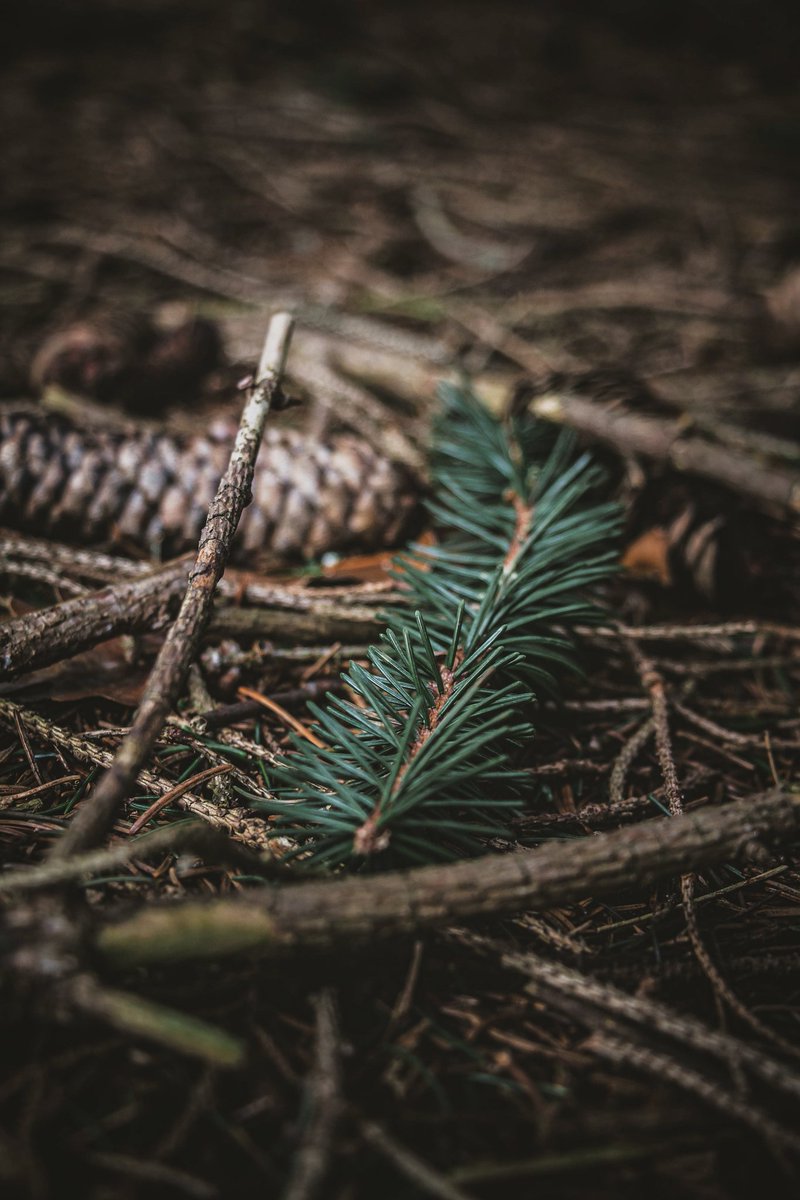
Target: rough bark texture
(145, 604)
(180, 646)
(322, 915)
(49, 635)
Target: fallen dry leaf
(648, 556)
(105, 671)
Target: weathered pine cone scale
(152, 490)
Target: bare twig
(691, 633)
(666, 441)
(324, 1094)
(666, 908)
(654, 684)
(180, 645)
(146, 603)
(11, 798)
(548, 978)
(49, 635)
(625, 759)
(716, 731)
(42, 574)
(81, 564)
(176, 837)
(137, 1017)
(409, 1164)
(588, 815)
(77, 563)
(666, 1067)
(154, 1175)
(334, 622)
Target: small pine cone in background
(708, 548)
(123, 357)
(152, 490)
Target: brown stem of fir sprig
(367, 839)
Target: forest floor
(551, 204)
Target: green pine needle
(426, 769)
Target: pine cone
(153, 490)
(123, 357)
(91, 357)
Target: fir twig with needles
(422, 765)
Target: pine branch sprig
(422, 764)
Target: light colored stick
(95, 817)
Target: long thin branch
(177, 836)
(235, 821)
(140, 1018)
(624, 1052)
(631, 1020)
(664, 441)
(550, 979)
(82, 565)
(319, 915)
(654, 685)
(180, 646)
(75, 561)
(421, 1173)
